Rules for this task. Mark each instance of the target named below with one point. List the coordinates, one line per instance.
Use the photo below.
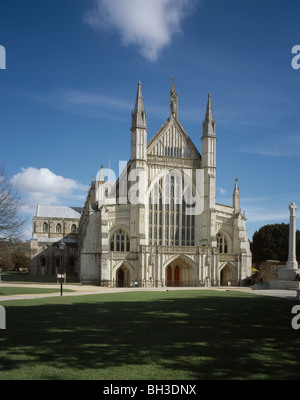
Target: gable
(171, 140)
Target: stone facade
(50, 226)
(159, 224)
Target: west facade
(159, 224)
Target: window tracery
(222, 243)
(169, 222)
(120, 241)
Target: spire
(138, 116)
(173, 101)
(101, 176)
(209, 125)
(99, 186)
(209, 112)
(236, 197)
(236, 187)
(139, 128)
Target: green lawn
(25, 277)
(149, 336)
(12, 290)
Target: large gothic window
(119, 241)
(222, 243)
(169, 222)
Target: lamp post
(61, 246)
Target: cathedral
(159, 224)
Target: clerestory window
(73, 228)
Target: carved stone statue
(173, 100)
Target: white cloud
(91, 99)
(42, 186)
(148, 24)
(264, 215)
(265, 152)
(286, 145)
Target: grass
(197, 334)
(11, 290)
(25, 277)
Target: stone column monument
(286, 275)
(292, 262)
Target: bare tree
(11, 222)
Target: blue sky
(72, 68)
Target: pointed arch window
(58, 228)
(45, 227)
(222, 243)
(119, 241)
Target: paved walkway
(87, 289)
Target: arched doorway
(122, 276)
(179, 273)
(226, 276)
(169, 276)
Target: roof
(58, 212)
(53, 240)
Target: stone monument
(286, 275)
(292, 261)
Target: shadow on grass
(180, 335)
(25, 277)
(13, 290)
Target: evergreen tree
(271, 242)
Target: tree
(5, 255)
(271, 242)
(10, 219)
(14, 254)
(20, 259)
